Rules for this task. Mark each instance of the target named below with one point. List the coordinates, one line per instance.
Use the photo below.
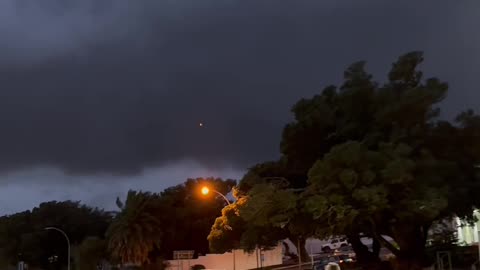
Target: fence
(243, 260)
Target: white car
(334, 243)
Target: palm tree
(136, 230)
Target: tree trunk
(303, 250)
(299, 242)
(365, 258)
(287, 248)
(407, 264)
(376, 246)
(411, 241)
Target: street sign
(183, 254)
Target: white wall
(243, 260)
(467, 234)
(312, 245)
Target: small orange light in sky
(205, 190)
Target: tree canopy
(136, 230)
(91, 253)
(232, 231)
(152, 226)
(372, 159)
(146, 230)
(189, 215)
(23, 235)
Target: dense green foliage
(152, 226)
(231, 231)
(146, 230)
(189, 215)
(370, 159)
(90, 254)
(23, 235)
(136, 230)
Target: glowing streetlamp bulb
(206, 191)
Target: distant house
(468, 233)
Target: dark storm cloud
(122, 86)
(23, 190)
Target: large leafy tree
(232, 230)
(383, 162)
(147, 228)
(270, 204)
(315, 130)
(377, 192)
(401, 170)
(187, 215)
(150, 227)
(227, 230)
(268, 186)
(136, 230)
(91, 253)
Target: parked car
(337, 259)
(346, 250)
(343, 259)
(334, 244)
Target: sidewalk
(294, 266)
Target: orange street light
(206, 190)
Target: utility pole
(299, 254)
(311, 254)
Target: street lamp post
(205, 191)
(68, 242)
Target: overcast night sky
(98, 97)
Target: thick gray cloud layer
(118, 86)
(23, 190)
